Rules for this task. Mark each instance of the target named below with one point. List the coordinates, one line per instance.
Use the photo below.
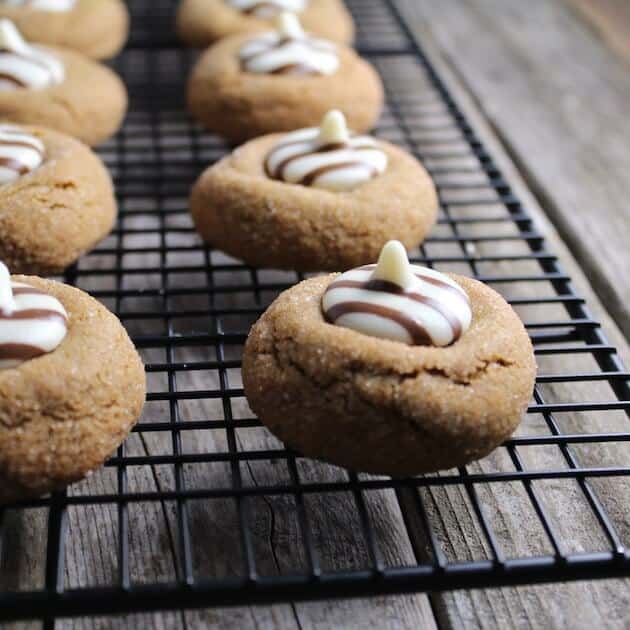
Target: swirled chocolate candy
(327, 157)
(20, 153)
(23, 66)
(32, 323)
(289, 50)
(398, 301)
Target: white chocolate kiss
(326, 157)
(53, 6)
(267, 9)
(20, 153)
(23, 65)
(398, 301)
(32, 322)
(289, 50)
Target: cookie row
(52, 99)
(389, 368)
(71, 382)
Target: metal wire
(174, 295)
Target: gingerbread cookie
(390, 369)
(281, 80)
(95, 28)
(58, 88)
(318, 198)
(204, 22)
(71, 385)
(56, 199)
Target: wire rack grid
(202, 506)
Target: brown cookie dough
(51, 216)
(240, 105)
(203, 22)
(62, 414)
(269, 223)
(96, 28)
(89, 104)
(382, 406)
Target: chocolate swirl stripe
(23, 289)
(18, 352)
(424, 274)
(20, 153)
(310, 178)
(13, 165)
(13, 80)
(34, 313)
(416, 331)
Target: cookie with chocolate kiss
(96, 29)
(63, 413)
(204, 22)
(89, 104)
(383, 406)
(56, 199)
(235, 96)
(58, 88)
(242, 209)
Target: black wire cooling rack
(201, 506)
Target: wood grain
(579, 605)
(558, 99)
(611, 21)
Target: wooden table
(546, 84)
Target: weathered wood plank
(610, 19)
(558, 98)
(506, 506)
